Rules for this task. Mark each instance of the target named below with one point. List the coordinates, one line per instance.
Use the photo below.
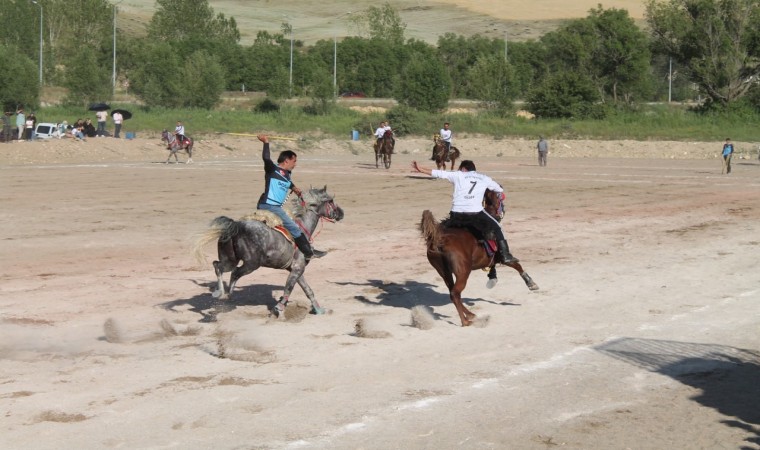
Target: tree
(566, 95)
(203, 81)
(493, 82)
(424, 84)
(717, 40)
(178, 20)
(20, 87)
(86, 81)
(156, 79)
(459, 54)
(607, 48)
(384, 23)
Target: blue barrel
(355, 135)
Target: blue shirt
(277, 182)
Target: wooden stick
(281, 138)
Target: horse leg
(189, 151)
(240, 272)
(455, 293)
(492, 279)
(290, 283)
(315, 307)
(528, 280)
(455, 287)
(227, 262)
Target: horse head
(165, 136)
(493, 203)
(323, 204)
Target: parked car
(353, 94)
(46, 130)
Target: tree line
(190, 55)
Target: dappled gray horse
(174, 145)
(257, 244)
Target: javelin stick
(280, 138)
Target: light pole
(41, 22)
(335, 58)
(113, 74)
(288, 28)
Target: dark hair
(285, 155)
(467, 164)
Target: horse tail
(429, 229)
(221, 228)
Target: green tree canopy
(178, 20)
(607, 48)
(384, 23)
(424, 83)
(20, 87)
(718, 40)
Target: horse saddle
(489, 245)
(269, 219)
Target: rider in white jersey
(467, 202)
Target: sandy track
(644, 333)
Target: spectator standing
(28, 128)
(543, 150)
(20, 124)
(33, 118)
(728, 150)
(101, 116)
(117, 119)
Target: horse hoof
(491, 283)
(318, 311)
(216, 294)
(533, 287)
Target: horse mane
(313, 197)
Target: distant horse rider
(379, 133)
(179, 132)
(467, 202)
(388, 128)
(277, 184)
(445, 135)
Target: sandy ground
(644, 333)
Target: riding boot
(303, 244)
(506, 257)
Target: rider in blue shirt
(277, 184)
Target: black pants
(481, 221)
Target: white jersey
(469, 188)
(379, 132)
(179, 130)
(445, 135)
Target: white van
(47, 131)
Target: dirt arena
(645, 333)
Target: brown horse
(439, 150)
(384, 149)
(455, 252)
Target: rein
(330, 206)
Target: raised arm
(419, 169)
(265, 150)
